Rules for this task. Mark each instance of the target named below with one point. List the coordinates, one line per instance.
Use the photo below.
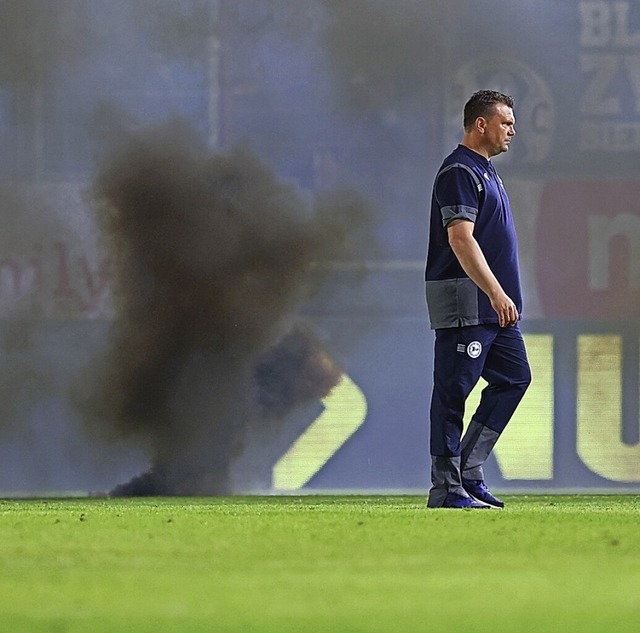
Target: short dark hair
(482, 104)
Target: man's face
(499, 130)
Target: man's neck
(469, 143)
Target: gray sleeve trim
(458, 212)
(462, 212)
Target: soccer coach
(474, 300)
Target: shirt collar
(478, 157)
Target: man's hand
(505, 309)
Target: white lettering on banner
(526, 449)
(596, 24)
(599, 409)
(632, 68)
(606, 24)
(602, 230)
(614, 137)
(345, 412)
(610, 70)
(595, 99)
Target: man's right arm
(473, 262)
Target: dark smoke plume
(213, 256)
(296, 370)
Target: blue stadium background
(362, 94)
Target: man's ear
(481, 124)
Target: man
(474, 301)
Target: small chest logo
(474, 349)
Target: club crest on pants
(474, 349)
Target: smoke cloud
(379, 52)
(213, 256)
(36, 36)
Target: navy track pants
(462, 356)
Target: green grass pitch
(319, 563)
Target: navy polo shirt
(467, 186)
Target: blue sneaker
(463, 503)
(478, 490)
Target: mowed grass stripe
(334, 563)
